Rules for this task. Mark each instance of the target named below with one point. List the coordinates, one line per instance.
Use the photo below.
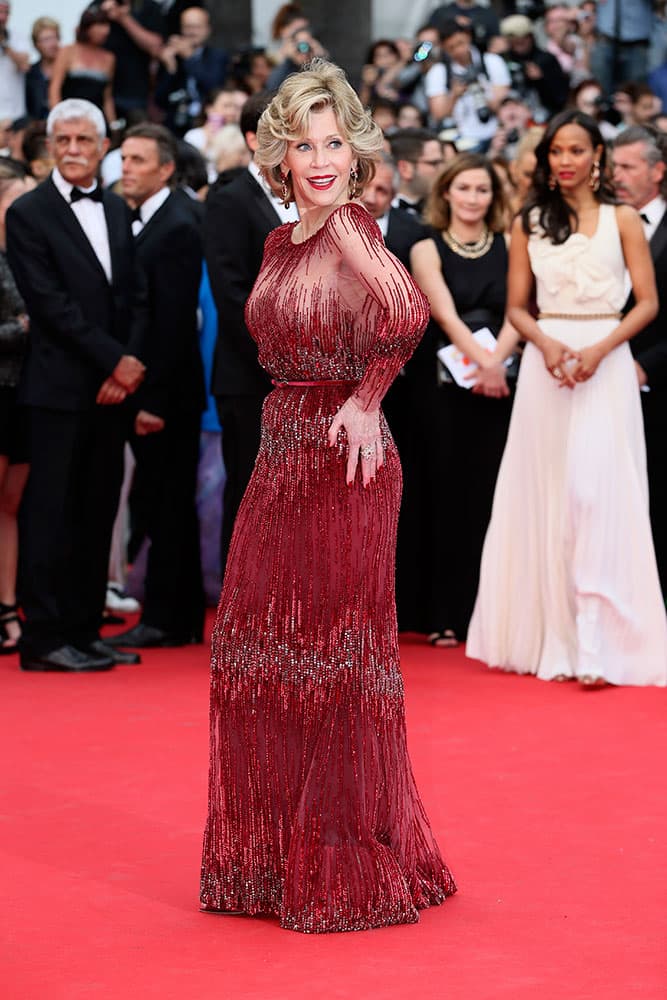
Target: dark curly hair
(556, 217)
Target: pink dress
(314, 816)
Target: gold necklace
(471, 251)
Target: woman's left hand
(491, 381)
(364, 439)
(589, 359)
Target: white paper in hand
(461, 367)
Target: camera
(474, 89)
(304, 48)
(422, 51)
(512, 136)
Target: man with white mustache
(71, 250)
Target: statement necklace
(469, 250)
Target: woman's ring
(556, 372)
(367, 451)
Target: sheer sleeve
(400, 312)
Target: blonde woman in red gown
(314, 816)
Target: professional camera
(470, 77)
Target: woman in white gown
(569, 585)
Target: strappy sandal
(8, 616)
(446, 638)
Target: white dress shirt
(654, 211)
(90, 215)
(383, 224)
(290, 214)
(149, 208)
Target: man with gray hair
(640, 179)
(70, 248)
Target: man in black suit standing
(239, 217)
(71, 251)
(640, 159)
(401, 230)
(168, 406)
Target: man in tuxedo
(168, 406)
(71, 251)
(239, 217)
(404, 401)
(640, 178)
(418, 157)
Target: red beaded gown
(314, 815)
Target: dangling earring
(553, 183)
(352, 190)
(594, 179)
(283, 190)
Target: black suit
(404, 230)
(80, 326)
(239, 217)
(170, 253)
(649, 349)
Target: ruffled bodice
(584, 274)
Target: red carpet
(549, 804)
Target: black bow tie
(95, 195)
(644, 217)
(411, 206)
(135, 214)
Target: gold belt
(615, 315)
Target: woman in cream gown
(569, 585)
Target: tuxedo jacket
(404, 230)
(649, 348)
(80, 323)
(238, 219)
(169, 251)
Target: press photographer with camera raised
(465, 89)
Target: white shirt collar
(64, 186)
(290, 214)
(383, 224)
(148, 209)
(261, 180)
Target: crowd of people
(143, 105)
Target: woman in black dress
(463, 271)
(86, 69)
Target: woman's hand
(491, 380)
(363, 437)
(558, 361)
(589, 359)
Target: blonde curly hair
(318, 86)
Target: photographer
(191, 70)
(536, 75)
(135, 39)
(513, 119)
(466, 88)
(299, 47)
(411, 74)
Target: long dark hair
(556, 217)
